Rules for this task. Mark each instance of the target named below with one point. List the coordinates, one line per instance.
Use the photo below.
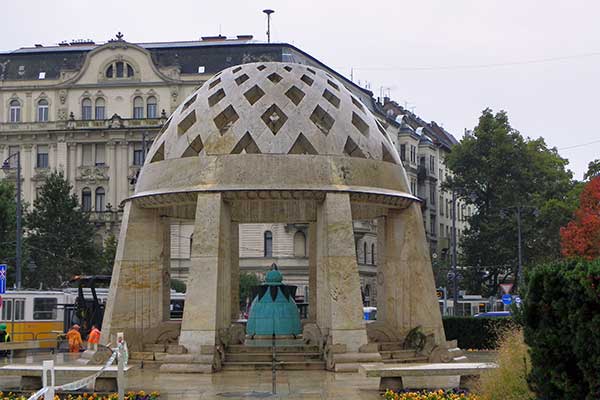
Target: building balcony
(108, 216)
(114, 122)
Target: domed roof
(273, 108)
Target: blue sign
(517, 300)
(2, 278)
(507, 299)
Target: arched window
(100, 199)
(365, 253)
(100, 108)
(119, 69)
(138, 108)
(373, 254)
(151, 107)
(268, 247)
(15, 111)
(299, 244)
(86, 109)
(42, 110)
(86, 199)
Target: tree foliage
(247, 282)
(581, 237)
(561, 328)
(7, 226)
(593, 169)
(60, 236)
(107, 257)
(497, 170)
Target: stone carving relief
(62, 96)
(93, 173)
(115, 122)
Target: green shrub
(476, 333)
(509, 380)
(562, 328)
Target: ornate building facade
(92, 110)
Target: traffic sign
(517, 300)
(507, 299)
(506, 287)
(2, 278)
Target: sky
(445, 59)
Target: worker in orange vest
(94, 338)
(74, 339)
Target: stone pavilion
(272, 143)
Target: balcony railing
(113, 123)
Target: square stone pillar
(235, 270)
(339, 310)
(208, 299)
(312, 272)
(407, 286)
(139, 297)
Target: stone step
(188, 358)
(240, 348)
(398, 354)
(390, 346)
(253, 357)
(155, 348)
(176, 349)
(412, 360)
(196, 368)
(288, 365)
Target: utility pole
(268, 12)
(454, 267)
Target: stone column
(139, 290)
(72, 162)
(235, 271)
(312, 272)
(112, 174)
(208, 298)
(339, 301)
(27, 169)
(62, 156)
(408, 298)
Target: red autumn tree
(581, 237)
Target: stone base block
(186, 368)
(105, 385)
(176, 349)
(31, 382)
(142, 355)
(432, 382)
(356, 358)
(189, 358)
(348, 367)
(155, 347)
(394, 384)
(160, 356)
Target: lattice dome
(273, 108)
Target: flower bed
(141, 395)
(425, 395)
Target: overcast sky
(450, 59)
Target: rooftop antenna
(268, 12)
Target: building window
(372, 253)
(432, 194)
(87, 158)
(403, 152)
(364, 253)
(432, 164)
(86, 109)
(447, 206)
(138, 154)
(100, 199)
(138, 108)
(268, 245)
(441, 205)
(119, 69)
(299, 244)
(100, 109)
(441, 229)
(151, 107)
(413, 187)
(44, 308)
(42, 110)
(100, 154)
(432, 224)
(15, 111)
(42, 156)
(413, 154)
(86, 199)
(12, 150)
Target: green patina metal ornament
(273, 310)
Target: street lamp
(268, 12)
(518, 212)
(6, 167)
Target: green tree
(107, 258)
(7, 226)
(60, 236)
(593, 170)
(497, 170)
(247, 282)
